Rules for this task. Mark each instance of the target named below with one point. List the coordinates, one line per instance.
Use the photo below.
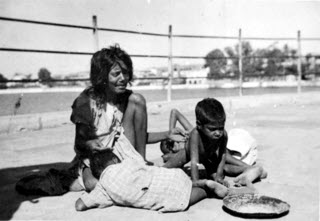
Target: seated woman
(107, 116)
(240, 156)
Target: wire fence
(239, 59)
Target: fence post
(240, 63)
(169, 64)
(95, 32)
(299, 63)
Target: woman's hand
(94, 145)
(177, 135)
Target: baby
(134, 184)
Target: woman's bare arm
(175, 134)
(84, 143)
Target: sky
(255, 18)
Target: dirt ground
(286, 126)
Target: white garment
(110, 132)
(242, 145)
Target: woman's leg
(135, 123)
(89, 180)
(197, 194)
(212, 187)
(74, 171)
(202, 189)
(76, 186)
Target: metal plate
(255, 205)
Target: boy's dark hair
(210, 110)
(101, 160)
(101, 63)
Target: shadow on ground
(11, 200)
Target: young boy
(135, 184)
(178, 154)
(208, 140)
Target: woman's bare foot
(218, 189)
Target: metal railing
(170, 56)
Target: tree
(248, 64)
(246, 48)
(3, 80)
(286, 50)
(44, 77)
(274, 65)
(216, 61)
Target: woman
(107, 116)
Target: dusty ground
(286, 126)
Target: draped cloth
(105, 123)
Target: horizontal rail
(245, 38)
(133, 32)
(46, 23)
(151, 78)
(280, 39)
(203, 36)
(154, 34)
(46, 51)
(80, 26)
(147, 56)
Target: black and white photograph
(160, 110)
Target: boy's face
(212, 130)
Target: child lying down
(134, 184)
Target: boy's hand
(224, 182)
(220, 180)
(94, 145)
(177, 135)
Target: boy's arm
(175, 116)
(194, 153)
(220, 171)
(175, 135)
(220, 174)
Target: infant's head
(101, 160)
